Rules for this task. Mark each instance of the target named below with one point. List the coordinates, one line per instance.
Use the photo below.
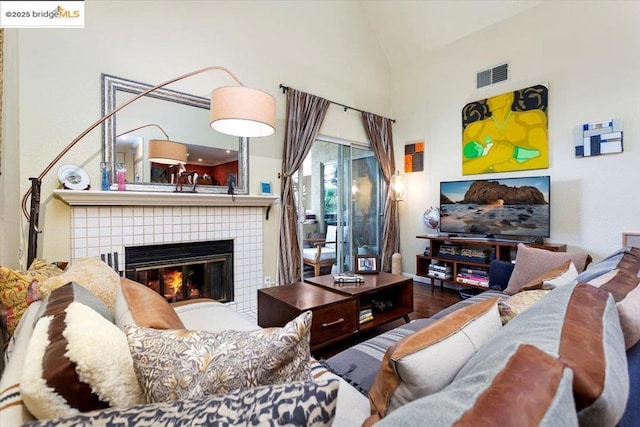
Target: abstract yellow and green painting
(506, 132)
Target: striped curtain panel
(305, 114)
(378, 131)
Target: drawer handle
(335, 322)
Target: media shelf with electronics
(465, 261)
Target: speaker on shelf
(536, 240)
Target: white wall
(589, 54)
(10, 178)
(323, 48)
(52, 92)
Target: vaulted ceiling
(409, 29)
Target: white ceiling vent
(497, 74)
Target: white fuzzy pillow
(77, 361)
(92, 274)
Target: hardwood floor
(425, 304)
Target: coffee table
(336, 307)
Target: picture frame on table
(367, 264)
(265, 188)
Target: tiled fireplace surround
(97, 230)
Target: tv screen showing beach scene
(496, 207)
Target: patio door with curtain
(338, 188)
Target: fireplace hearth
(182, 271)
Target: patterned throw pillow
(182, 364)
(293, 404)
(518, 303)
(17, 290)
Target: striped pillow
(549, 396)
(77, 359)
(425, 362)
(623, 283)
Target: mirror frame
(111, 84)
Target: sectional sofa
(567, 359)
(544, 322)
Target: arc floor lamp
(235, 110)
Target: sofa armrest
(499, 274)
(13, 412)
(212, 316)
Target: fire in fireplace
(182, 271)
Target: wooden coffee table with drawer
(336, 306)
(334, 315)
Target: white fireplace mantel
(139, 198)
(109, 222)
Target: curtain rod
(346, 107)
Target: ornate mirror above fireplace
(176, 116)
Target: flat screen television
(518, 207)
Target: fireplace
(104, 222)
(182, 271)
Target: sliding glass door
(366, 202)
(338, 199)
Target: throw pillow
(624, 284)
(562, 275)
(579, 325)
(294, 404)
(548, 382)
(548, 400)
(531, 262)
(57, 302)
(138, 305)
(354, 407)
(603, 266)
(181, 364)
(76, 360)
(91, 273)
(592, 346)
(563, 279)
(17, 290)
(518, 303)
(416, 366)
